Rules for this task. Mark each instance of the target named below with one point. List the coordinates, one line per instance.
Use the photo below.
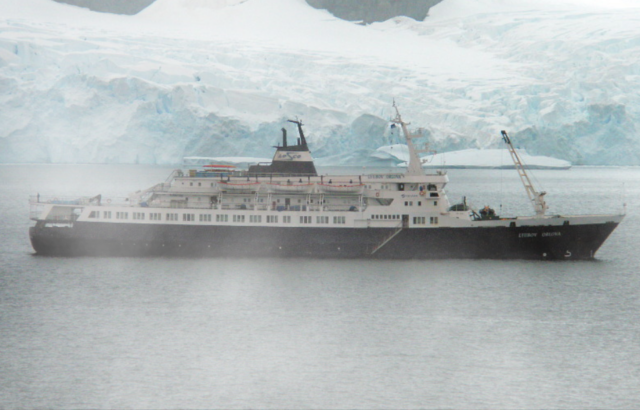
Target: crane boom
(536, 198)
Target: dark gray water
(268, 333)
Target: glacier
(189, 78)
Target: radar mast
(414, 166)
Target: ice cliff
(218, 78)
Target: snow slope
(219, 77)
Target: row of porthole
(209, 246)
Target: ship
(286, 209)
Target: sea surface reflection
(305, 333)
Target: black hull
(567, 242)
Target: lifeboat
(239, 187)
(219, 167)
(341, 188)
(290, 187)
(216, 168)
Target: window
(122, 215)
(433, 220)
(322, 219)
(419, 220)
(305, 219)
(154, 216)
(139, 216)
(188, 217)
(172, 217)
(339, 219)
(238, 218)
(205, 217)
(273, 218)
(222, 218)
(107, 214)
(255, 218)
(94, 214)
(285, 219)
(435, 203)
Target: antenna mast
(414, 167)
(536, 198)
(303, 140)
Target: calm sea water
(268, 333)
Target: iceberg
(239, 161)
(471, 158)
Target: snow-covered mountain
(219, 77)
